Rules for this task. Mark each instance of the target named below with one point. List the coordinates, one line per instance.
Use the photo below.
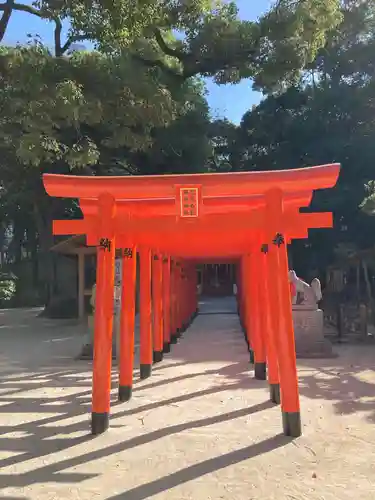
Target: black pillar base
(124, 392)
(145, 371)
(251, 352)
(275, 393)
(99, 423)
(174, 338)
(166, 347)
(260, 371)
(157, 356)
(292, 424)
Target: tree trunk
(368, 289)
(358, 282)
(18, 239)
(44, 220)
(2, 245)
(367, 281)
(32, 245)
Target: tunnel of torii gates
(173, 222)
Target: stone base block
(87, 351)
(309, 334)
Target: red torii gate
(173, 218)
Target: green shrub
(7, 288)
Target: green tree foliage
(52, 107)
(91, 113)
(224, 141)
(327, 117)
(135, 104)
(316, 126)
(214, 42)
(368, 203)
(272, 50)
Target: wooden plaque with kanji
(189, 202)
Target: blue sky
(230, 101)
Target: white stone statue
(117, 298)
(87, 349)
(93, 296)
(308, 319)
(303, 294)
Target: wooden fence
(348, 322)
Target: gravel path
(201, 428)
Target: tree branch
(168, 51)
(194, 64)
(71, 40)
(10, 5)
(7, 9)
(57, 37)
(157, 63)
(29, 9)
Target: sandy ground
(201, 428)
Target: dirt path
(201, 428)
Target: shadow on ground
(349, 382)
(201, 469)
(38, 359)
(340, 381)
(36, 439)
